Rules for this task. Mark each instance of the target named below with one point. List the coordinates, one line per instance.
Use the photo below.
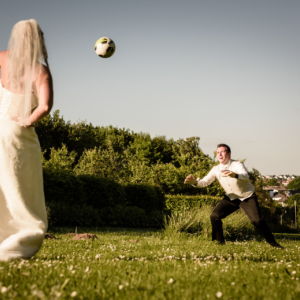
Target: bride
(26, 96)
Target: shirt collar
(224, 167)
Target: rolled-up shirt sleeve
(241, 171)
(207, 180)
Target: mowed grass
(145, 264)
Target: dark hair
(225, 146)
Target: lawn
(148, 264)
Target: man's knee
(257, 222)
(214, 216)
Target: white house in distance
(278, 193)
(281, 199)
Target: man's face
(223, 156)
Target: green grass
(145, 264)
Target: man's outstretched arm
(201, 183)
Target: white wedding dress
(23, 218)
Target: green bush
(63, 187)
(102, 192)
(87, 200)
(65, 214)
(130, 216)
(181, 202)
(196, 220)
(145, 196)
(60, 159)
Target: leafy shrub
(182, 202)
(64, 214)
(130, 216)
(294, 184)
(190, 220)
(60, 159)
(197, 220)
(87, 200)
(145, 196)
(102, 163)
(63, 187)
(102, 192)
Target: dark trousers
(251, 209)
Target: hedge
(145, 196)
(178, 202)
(87, 200)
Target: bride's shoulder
(44, 77)
(45, 72)
(3, 55)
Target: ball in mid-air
(105, 47)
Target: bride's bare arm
(1, 57)
(44, 87)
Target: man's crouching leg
(222, 210)
(251, 208)
(217, 228)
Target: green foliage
(113, 173)
(145, 196)
(54, 131)
(170, 178)
(291, 210)
(182, 202)
(102, 192)
(60, 159)
(151, 151)
(63, 214)
(102, 163)
(263, 196)
(197, 220)
(130, 216)
(291, 200)
(63, 187)
(66, 214)
(294, 184)
(189, 220)
(123, 156)
(271, 182)
(87, 200)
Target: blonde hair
(27, 50)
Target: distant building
(273, 190)
(293, 192)
(286, 182)
(281, 199)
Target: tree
(291, 200)
(294, 184)
(60, 159)
(271, 182)
(262, 195)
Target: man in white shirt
(239, 193)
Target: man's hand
(228, 173)
(191, 180)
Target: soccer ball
(105, 47)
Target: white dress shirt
(240, 188)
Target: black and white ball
(105, 47)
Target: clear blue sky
(226, 71)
